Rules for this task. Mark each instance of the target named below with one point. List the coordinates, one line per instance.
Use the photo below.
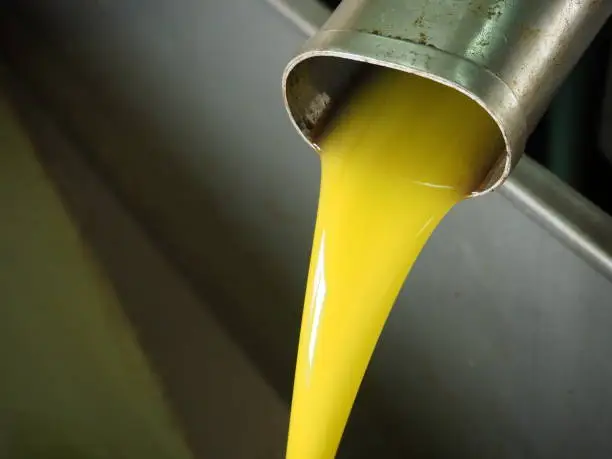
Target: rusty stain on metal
(486, 11)
(495, 10)
(421, 39)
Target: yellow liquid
(399, 156)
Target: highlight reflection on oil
(396, 160)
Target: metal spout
(507, 55)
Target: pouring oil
(397, 158)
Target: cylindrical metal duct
(507, 55)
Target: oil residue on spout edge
(399, 156)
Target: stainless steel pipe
(507, 55)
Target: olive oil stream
(395, 161)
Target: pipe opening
(318, 86)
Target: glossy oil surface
(395, 161)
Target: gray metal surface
(500, 344)
(509, 56)
(504, 336)
(222, 406)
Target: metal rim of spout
(422, 60)
(509, 56)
